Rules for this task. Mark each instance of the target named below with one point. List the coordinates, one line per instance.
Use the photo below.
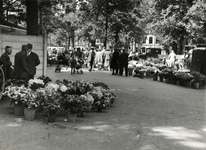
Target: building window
(150, 40)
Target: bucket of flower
(30, 106)
(97, 94)
(109, 98)
(87, 100)
(72, 106)
(50, 100)
(161, 76)
(198, 81)
(17, 95)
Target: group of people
(102, 59)
(25, 63)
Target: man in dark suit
(21, 68)
(123, 61)
(7, 65)
(33, 60)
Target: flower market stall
(74, 98)
(154, 68)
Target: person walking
(7, 64)
(21, 67)
(33, 60)
(123, 62)
(114, 62)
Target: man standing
(21, 68)
(123, 61)
(91, 59)
(33, 60)
(7, 65)
(115, 62)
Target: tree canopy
(116, 21)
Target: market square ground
(147, 115)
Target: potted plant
(35, 84)
(17, 95)
(198, 79)
(72, 106)
(86, 100)
(50, 100)
(30, 105)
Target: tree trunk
(73, 38)
(106, 28)
(1, 9)
(116, 37)
(32, 17)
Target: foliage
(183, 76)
(31, 100)
(72, 103)
(34, 84)
(103, 85)
(17, 94)
(198, 77)
(45, 79)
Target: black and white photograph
(102, 74)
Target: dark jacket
(33, 60)
(123, 59)
(6, 66)
(115, 60)
(21, 68)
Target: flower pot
(51, 116)
(187, 83)
(141, 74)
(167, 80)
(181, 83)
(175, 81)
(196, 85)
(130, 70)
(148, 74)
(154, 77)
(19, 109)
(29, 113)
(161, 78)
(99, 109)
(71, 117)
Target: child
(73, 64)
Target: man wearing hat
(33, 60)
(21, 69)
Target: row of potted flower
(152, 70)
(192, 79)
(74, 97)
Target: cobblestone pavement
(147, 115)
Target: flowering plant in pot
(49, 98)
(45, 79)
(34, 84)
(30, 105)
(86, 101)
(17, 96)
(97, 94)
(198, 79)
(31, 100)
(71, 103)
(103, 85)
